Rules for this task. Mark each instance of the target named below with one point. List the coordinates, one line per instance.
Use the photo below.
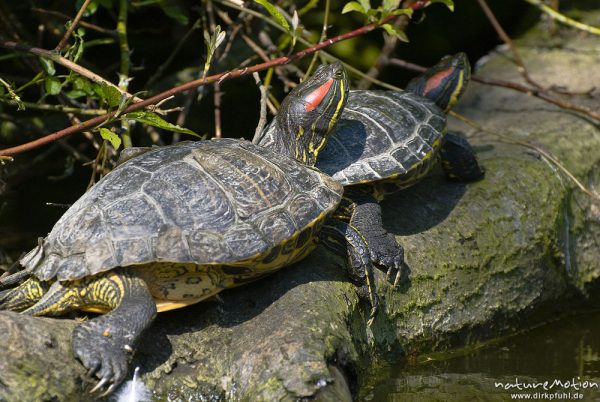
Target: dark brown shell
(206, 202)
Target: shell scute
(256, 187)
(276, 225)
(207, 246)
(133, 251)
(170, 245)
(245, 241)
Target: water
(565, 350)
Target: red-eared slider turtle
(388, 140)
(176, 225)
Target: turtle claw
(388, 254)
(396, 274)
(108, 391)
(99, 386)
(398, 277)
(104, 357)
(92, 370)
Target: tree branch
(88, 124)
(536, 92)
(67, 35)
(58, 59)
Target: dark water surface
(565, 350)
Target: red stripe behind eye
(314, 98)
(437, 79)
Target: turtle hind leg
(105, 343)
(458, 159)
(23, 296)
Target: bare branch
(555, 15)
(67, 35)
(63, 61)
(536, 92)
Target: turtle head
(445, 82)
(309, 112)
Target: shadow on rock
(422, 206)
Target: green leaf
(75, 51)
(353, 6)
(90, 10)
(395, 32)
(110, 95)
(403, 11)
(366, 4)
(82, 84)
(155, 120)
(390, 5)
(48, 66)
(111, 137)
(93, 6)
(212, 43)
(75, 93)
(274, 13)
(53, 86)
(174, 11)
(448, 3)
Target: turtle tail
(29, 261)
(15, 278)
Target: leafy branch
(93, 122)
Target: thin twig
(510, 140)
(217, 104)
(190, 85)
(56, 108)
(389, 44)
(541, 95)
(262, 120)
(506, 39)
(313, 61)
(67, 35)
(163, 66)
(81, 23)
(125, 64)
(555, 15)
(535, 92)
(55, 57)
(327, 56)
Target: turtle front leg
(365, 215)
(103, 344)
(344, 240)
(458, 159)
